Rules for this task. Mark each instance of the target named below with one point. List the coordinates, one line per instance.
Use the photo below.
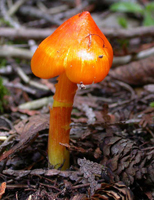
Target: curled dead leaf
(28, 130)
(2, 189)
(135, 73)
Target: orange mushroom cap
(78, 48)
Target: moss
(3, 92)
(3, 62)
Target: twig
(15, 7)
(31, 11)
(20, 86)
(6, 143)
(52, 10)
(73, 11)
(35, 23)
(50, 186)
(3, 138)
(6, 70)
(151, 133)
(130, 33)
(126, 59)
(127, 87)
(57, 9)
(42, 7)
(27, 80)
(9, 51)
(26, 33)
(120, 103)
(43, 33)
(78, 2)
(9, 3)
(81, 186)
(8, 121)
(36, 104)
(37, 172)
(6, 16)
(19, 186)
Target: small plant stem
(60, 118)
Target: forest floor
(112, 129)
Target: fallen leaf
(135, 73)
(2, 189)
(28, 131)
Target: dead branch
(10, 51)
(31, 33)
(20, 86)
(73, 11)
(27, 80)
(129, 33)
(37, 172)
(26, 33)
(57, 9)
(15, 7)
(113, 105)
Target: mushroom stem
(60, 118)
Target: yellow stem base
(60, 118)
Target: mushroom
(79, 53)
